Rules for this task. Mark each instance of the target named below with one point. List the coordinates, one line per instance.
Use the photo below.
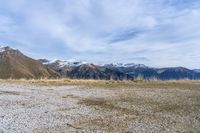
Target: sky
(158, 33)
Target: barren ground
(100, 107)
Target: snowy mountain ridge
(75, 63)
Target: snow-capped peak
(75, 63)
(63, 63)
(5, 48)
(125, 65)
(140, 66)
(2, 49)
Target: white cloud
(160, 29)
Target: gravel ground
(35, 108)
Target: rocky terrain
(69, 106)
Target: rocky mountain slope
(14, 64)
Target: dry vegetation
(118, 106)
(110, 83)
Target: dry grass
(112, 84)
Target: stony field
(99, 106)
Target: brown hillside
(13, 64)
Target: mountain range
(14, 64)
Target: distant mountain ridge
(197, 70)
(15, 65)
(119, 71)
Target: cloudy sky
(157, 33)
